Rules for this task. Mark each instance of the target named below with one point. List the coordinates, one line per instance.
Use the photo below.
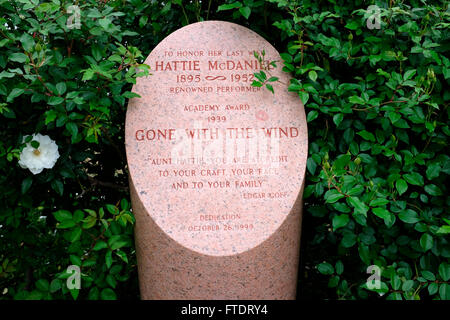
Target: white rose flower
(43, 157)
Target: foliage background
(377, 110)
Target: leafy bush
(71, 84)
(376, 103)
(377, 111)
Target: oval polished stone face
(217, 163)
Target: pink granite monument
(216, 168)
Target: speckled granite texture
(216, 169)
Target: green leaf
(339, 267)
(414, 178)
(337, 119)
(433, 190)
(92, 213)
(401, 186)
(27, 42)
(325, 268)
(117, 245)
(129, 95)
(364, 253)
(18, 57)
(108, 259)
(34, 295)
(444, 271)
(26, 184)
(433, 288)
(76, 234)
(245, 11)
(50, 116)
(100, 245)
(112, 209)
(394, 116)
(257, 84)
(53, 101)
(304, 97)
(356, 100)
(394, 296)
(94, 294)
(444, 291)
(378, 202)
(35, 144)
(396, 282)
(108, 294)
(72, 128)
(42, 285)
(76, 260)
(340, 221)
(353, 25)
(88, 74)
(312, 75)
(366, 135)
(229, 6)
(360, 207)
(426, 242)
(331, 196)
(14, 94)
(106, 24)
(124, 204)
(74, 293)
(78, 215)
(428, 275)
(409, 74)
(311, 165)
(349, 240)
(443, 230)
(408, 285)
(381, 213)
(341, 161)
(261, 76)
(111, 281)
(313, 114)
(356, 190)
(89, 222)
(333, 282)
(62, 215)
(143, 21)
(433, 171)
(58, 186)
(55, 285)
(409, 216)
(61, 88)
(122, 255)
(5, 74)
(66, 224)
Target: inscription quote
(217, 152)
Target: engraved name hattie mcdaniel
(194, 65)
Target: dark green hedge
(377, 110)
